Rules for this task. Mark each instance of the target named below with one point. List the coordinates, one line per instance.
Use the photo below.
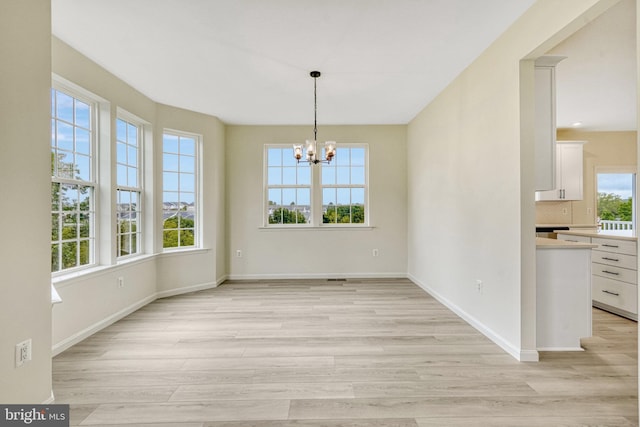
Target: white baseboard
(317, 276)
(517, 353)
(51, 399)
(187, 289)
(87, 332)
(560, 349)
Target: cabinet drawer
(572, 238)
(615, 273)
(617, 294)
(618, 246)
(611, 258)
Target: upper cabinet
(545, 122)
(568, 173)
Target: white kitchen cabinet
(569, 174)
(615, 276)
(545, 122)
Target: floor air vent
(336, 280)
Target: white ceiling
(596, 84)
(248, 61)
(382, 61)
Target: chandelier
(312, 155)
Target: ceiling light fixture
(311, 155)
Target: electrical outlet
(375, 252)
(121, 282)
(564, 211)
(479, 285)
(23, 352)
(238, 253)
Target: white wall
(25, 304)
(316, 253)
(471, 209)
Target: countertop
(608, 234)
(544, 243)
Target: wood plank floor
(318, 353)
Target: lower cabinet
(614, 282)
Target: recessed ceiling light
(576, 124)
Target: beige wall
(316, 252)
(471, 190)
(602, 149)
(25, 304)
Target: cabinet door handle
(610, 246)
(611, 259)
(611, 272)
(611, 293)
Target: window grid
(128, 189)
(179, 190)
(288, 189)
(344, 187)
(72, 182)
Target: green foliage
(178, 232)
(613, 208)
(286, 216)
(344, 214)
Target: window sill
(317, 228)
(189, 251)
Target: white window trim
(198, 198)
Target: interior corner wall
(180, 271)
(465, 219)
(25, 305)
(316, 253)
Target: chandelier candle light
(311, 146)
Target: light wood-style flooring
(325, 353)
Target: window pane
(187, 146)
(64, 107)
(132, 156)
(274, 176)
(357, 196)
(64, 136)
(328, 175)
(83, 115)
(289, 175)
(357, 157)
(55, 226)
(344, 196)
(170, 144)
(357, 175)
(287, 158)
(132, 177)
(187, 164)
(328, 196)
(83, 143)
(170, 181)
(275, 156)
(170, 162)
(187, 182)
(121, 130)
(303, 196)
(132, 134)
(343, 175)
(55, 258)
(275, 196)
(343, 157)
(304, 175)
(69, 255)
(288, 196)
(83, 167)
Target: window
(344, 187)
(179, 181)
(73, 184)
(128, 188)
(328, 194)
(288, 188)
(616, 199)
